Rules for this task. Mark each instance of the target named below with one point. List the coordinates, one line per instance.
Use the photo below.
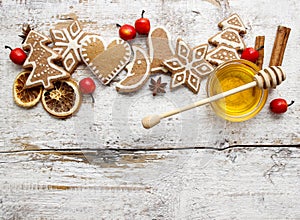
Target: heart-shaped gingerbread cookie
(106, 62)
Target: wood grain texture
(101, 163)
(114, 119)
(237, 183)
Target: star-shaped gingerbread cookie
(67, 44)
(188, 66)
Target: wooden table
(101, 163)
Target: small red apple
(279, 105)
(87, 86)
(17, 55)
(250, 54)
(142, 25)
(127, 32)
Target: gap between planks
(124, 150)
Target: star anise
(157, 86)
(25, 31)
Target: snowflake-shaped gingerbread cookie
(67, 44)
(188, 66)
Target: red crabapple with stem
(87, 86)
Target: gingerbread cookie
(235, 22)
(188, 66)
(229, 37)
(221, 54)
(138, 72)
(41, 60)
(106, 62)
(67, 44)
(160, 48)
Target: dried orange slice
(25, 97)
(63, 100)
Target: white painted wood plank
(239, 183)
(114, 120)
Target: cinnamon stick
(279, 46)
(259, 45)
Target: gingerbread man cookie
(67, 44)
(138, 72)
(188, 66)
(41, 60)
(106, 62)
(160, 48)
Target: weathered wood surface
(115, 119)
(238, 183)
(101, 163)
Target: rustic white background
(101, 163)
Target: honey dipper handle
(152, 120)
(209, 99)
(267, 78)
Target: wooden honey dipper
(269, 77)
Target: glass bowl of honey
(241, 106)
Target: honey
(240, 106)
